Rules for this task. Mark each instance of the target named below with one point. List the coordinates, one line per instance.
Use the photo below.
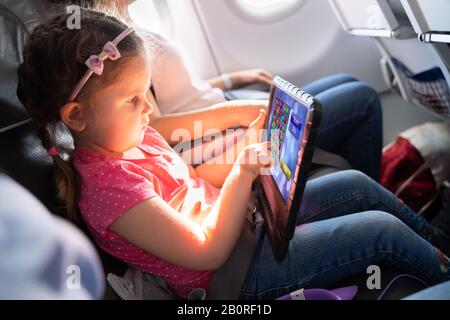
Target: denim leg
(326, 83)
(351, 191)
(351, 125)
(325, 252)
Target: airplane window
(151, 15)
(265, 10)
(259, 4)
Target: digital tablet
(291, 128)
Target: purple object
(346, 293)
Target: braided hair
(53, 63)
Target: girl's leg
(351, 125)
(325, 252)
(351, 191)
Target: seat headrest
(14, 37)
(17, 19)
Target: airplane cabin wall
(302, 47)
(187, 32)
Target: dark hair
(107, 6)
(53, 63)
(84, 3)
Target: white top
(432, 140)
(177, 87)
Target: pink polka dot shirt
(111, 186)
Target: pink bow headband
(95, 62)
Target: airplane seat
(413, 64)
(58, 252)
(418, 73)
(23, 158)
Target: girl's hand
(254, 158)
(254, 131)
(196, 213)
(247, 77)
(249, 111)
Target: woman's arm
(156, 227)
(243, 78)
(195, 124)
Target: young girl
(351, 124)
(146, 207)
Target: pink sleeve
(111, 190)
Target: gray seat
(23, 158)
(14, 36)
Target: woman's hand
(247, 77)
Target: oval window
(151, 15)
(263, 11)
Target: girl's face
(119, 113)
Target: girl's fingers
(254, 131)
(259, 121)
(266, 145)
(263, 153)
(264, 159)
(196, 209)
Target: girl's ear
(73, 115)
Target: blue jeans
(351, 124)
(348, 223)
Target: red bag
(405, 173)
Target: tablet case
(280, 225)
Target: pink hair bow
(95, 62)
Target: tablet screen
(285, 131)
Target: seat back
(14, 36)
(23, 157)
